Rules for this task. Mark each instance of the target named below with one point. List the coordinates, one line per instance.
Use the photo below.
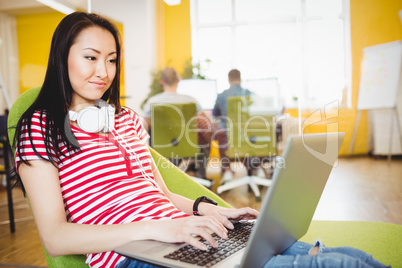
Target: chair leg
(232, 184)
(252, 181)
(261, 181)
(9, 190)
(255, 189)
(10, 206)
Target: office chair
(174, 136)
(5, 167)
(252, 140)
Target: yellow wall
(34, 34)
(337, 120)
(173, 34)
(372, 22)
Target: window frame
(301, 22)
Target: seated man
(235, 90)
(220, 108)
(209, 130)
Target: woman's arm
(59, 237)
(41, 182)
(223, 215)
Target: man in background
(220, 109)
(169, 81)
(235, 90)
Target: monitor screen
(264, 87)
(267, 97)
(204, 91)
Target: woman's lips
(98, 84)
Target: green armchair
(382, 240)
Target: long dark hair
(55, 95)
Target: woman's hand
(227, 215)
(187, 229)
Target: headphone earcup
(91, 119)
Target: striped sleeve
(37, 132)
(139, 128)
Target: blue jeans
(297, 255)
(131, 263)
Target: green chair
(16, 111)
(174, 135)
(382, 240)
(252, 140)
(174, 130)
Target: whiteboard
(380, 76)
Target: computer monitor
(203, 90)
(267, 97)
(264, 87)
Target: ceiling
(18, 7)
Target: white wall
(138, 18)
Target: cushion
(382, 240)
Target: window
(304, 44)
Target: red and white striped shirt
(108, 181)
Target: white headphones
(99, 118)
(94, 119)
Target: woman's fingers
(189, 229)
(227, 216)
(202, 232)
(192, 228)
(241, 214)
(196, 243)
(225, 221)
(215, 226)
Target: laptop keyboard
(237, 239)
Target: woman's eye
(112, 61)
(90, 58)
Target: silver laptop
(288, 207)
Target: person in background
(220, 112)
(209, 130)
(169, 81)
(92, 191)
(235, 90)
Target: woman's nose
(101, 70)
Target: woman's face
(91, 66)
